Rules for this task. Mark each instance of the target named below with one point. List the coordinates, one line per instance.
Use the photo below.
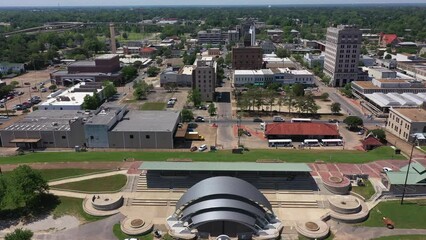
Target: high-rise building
(343, 47)
(246, 58)
(205, 78)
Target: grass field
(110, 183)
(153, 106)
(52, 174)
(402, 237)
(410, 215)
(303, 156)
(120, 235)
(134, 36)
(367, 191)
(73, 207)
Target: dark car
(193, 148)
(27, 104)
(333, 120)
(247, 133)
(199, 119)
(257, 120)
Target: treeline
(310, 21)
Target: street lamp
(238, 132)
(415, 140)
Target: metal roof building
(224, 205)
(416, 181)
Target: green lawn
(110, 183)
(73, 207)
(409, 215)
(402, 237)
(153, 106)
(52, 174)
(133, 36)
(120, 235)
(303, 156)
(367, 191)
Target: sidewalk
(77, 179)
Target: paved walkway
(99, 230)
(92, 176)
(68, 194)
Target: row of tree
(92, 102)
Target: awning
(26, 140)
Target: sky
(55, 3)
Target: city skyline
(50, 3)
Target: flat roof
(147, 121)
(226, 166)
(414, 114)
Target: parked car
(202, 148)
(361, 132)
(43, 90)
(333, 120)
(193, 148)
(27, 104)
(247, 133)
(202, 107)
(257, 120)
(20, 93)
(200, 119)
(278, 119)
(9, 97)
(387, 169)
(19, 107)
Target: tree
(194, 96)
(129, 72)
(353, 122)
(19, 234)
(335, 108)
(212, 109)
(379, 134)
(124, 35)
(388, 56)
(141, 89)
(137, 64)
(14, 84)
(2, 190)
(187, 115)
(53, 87)
(91, 102)
(109, 89)
(24, 187)
(298, 90)
(324, 96)
(282, 53)
(152, 71)
(170, 86)
(220, 61)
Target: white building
(286, 76)
(73, 98)
(265, 76)
(273, 61)
(6, 68)
(314, 60)
(256, 77)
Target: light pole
(238, 132)
(408, 169)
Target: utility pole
(408, 169)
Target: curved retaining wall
(345, 204)
(321, 232)
(107, 203)
(337, 187)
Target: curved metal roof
(223, 185)
(223, 203)
(207, 217)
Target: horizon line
(213, 5)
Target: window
(64, 137)
(131, 136)
(91, 137)
(147, 136)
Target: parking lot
(29, 86)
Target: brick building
(247, 58)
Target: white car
(202, 148)
(387, 169)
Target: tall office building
(205, 78)
(342, 50)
